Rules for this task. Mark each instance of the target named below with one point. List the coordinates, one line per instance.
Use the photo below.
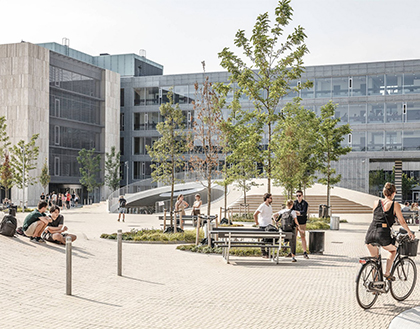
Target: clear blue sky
(179, 34)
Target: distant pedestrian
(122, 207)
(180, 206)
(42, 197)
(301, 208)
(262, 217)
(196, 205)
(68, 198)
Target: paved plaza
(162, 287)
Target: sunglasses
(298, 195)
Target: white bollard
(119, 242)
(68, 265)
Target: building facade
(380, 101)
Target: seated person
(406, 207)
(54, 230)
(35, 223)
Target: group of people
(61, 200)
(413, 207)
(298, 209)
(41, 227)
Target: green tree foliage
(295, 143)
(243, 148)
(90, 167)
(24, 158)
(329, 145)
(378, 178)
(45, 177)
(272, 65)
(4, 138)
(167, 152)
(6, 175)
(112, 169)
(207, 142)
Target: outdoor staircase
(338, 205)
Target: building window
(376, 85)
(57, 107)
(56, 166)
(137, 170)
(122, 145)
(122, 97)
(139, 145)
(122, 122)
(56, 135)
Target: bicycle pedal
(378, 284)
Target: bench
(410, 215)
(231, 237)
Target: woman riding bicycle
(379, 231)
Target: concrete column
(398, 180)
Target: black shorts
(379, 235)
(302, 220)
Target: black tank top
(378, 214)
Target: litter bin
(335, 223)
(324, 211)
(13, 210)
(316, 242)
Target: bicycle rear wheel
(368, 274)
(405, 273)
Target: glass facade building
(380, 101)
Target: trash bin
(334, 223)
(324, 211)
(316, 242)
(13, 210)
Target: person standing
(301, 208)
(122, 209)
(42, 197)
(196, 205)
(262, 217)
(180, 206)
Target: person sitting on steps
(54, 230)
(35, 223)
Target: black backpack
(123, 202)
(8, 225)
(287, 221)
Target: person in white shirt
(291, 236)
(262, 217)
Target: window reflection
(376, 85)
(393, 112)
(376, 113)
(393, 141)
(358, 86)
(342, 112)
(394, 84)
(357, 113)
(411, 140)
(323, 87)
(411, 83)
(358, 141)
(340, 87)
(375, 141)
(413, 112)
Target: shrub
(156, 235)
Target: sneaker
(118, 220)
(389, 277)
(294, 260)
(305, 255)
(39, 239)
(289, 255)
(265, 256)
(33, 239)
(123, 220)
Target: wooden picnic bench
(410, 215)
(231, 237)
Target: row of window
(384, 141)
(73, 138)
(148, 121)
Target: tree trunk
(269, 160)
(225, 200)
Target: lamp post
(23, 178)
(126, 164)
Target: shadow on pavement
(145, 281)
(95, 301)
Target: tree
(329, 145)
(90, 166)
(273, 65)
(4, 138)
(112, 169)
(6, 175)
(24, 158)
(167, 152)
(207, 141)
(295, 139)
(45, 177)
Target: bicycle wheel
(364, 281)
(405, 273)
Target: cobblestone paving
(165, 288)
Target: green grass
(243, 218)
(156, 235)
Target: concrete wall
(24, 101)
(111, 122)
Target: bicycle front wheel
(405, 273)
(368, 274)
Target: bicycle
(370, 281)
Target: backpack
(8, 225)
(123, 202)
(287, 222)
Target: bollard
(164, 220)
(68, 265)
(119, 242)
(198, 231)
(208, 232)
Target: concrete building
(70, 103)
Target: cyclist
(379, 231)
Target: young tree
(24, 158)
(6, 175)
(167, 152)
(4, 138)
(273, 65)
(45, 177)
(112, 169)
(206, 144)
(90, 166)
(329, 145)
(295, 141)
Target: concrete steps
(338, 205)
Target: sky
(180, 34)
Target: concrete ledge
(409, 319)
